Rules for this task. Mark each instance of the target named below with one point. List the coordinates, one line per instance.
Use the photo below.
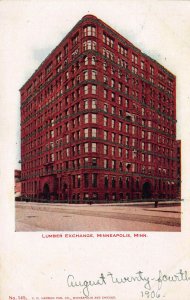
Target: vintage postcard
(94, 150)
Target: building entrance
(146, 190)
(46, 191)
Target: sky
(30, 30)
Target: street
(84, 217)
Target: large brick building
(98, 121)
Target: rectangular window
(94, 132)
(134, 58)
(120, 139)
(94, 74)
(93, 89)
(52, 133)
(142, 65)
(78, 181)
(94, 180)
(113, 151)
(94, 118)
(86, 89)
(106, 163)
(134, 70)
(120, 152)
(94, 148)
(105, 149)
(113, 164)
(106, 181)
(89, 45)
(113, 182)
(85, 74)
(105, 94)
(113, 110)
(105, 107)
(105, 135)
(108, 40)
(86, 147)
(113, 96)
(86, 119)
(86, 161)
(120, 182)
(134, 154)
(112, 83)
(86, 132)
(51, 145)
(86, 183)
(89, 31)
(151, 70)
(75, 39)
(120, 100)
(94, 103)
(94, 161)
(86, 104)
(105, 121)
(78, 149)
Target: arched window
(93, 60)
(86, 60)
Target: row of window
(88, 162)
(160, 124)
(93, 75)
(89, 148)
(91, 45)
(29, 171)
(95, 132)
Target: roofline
(86, 17)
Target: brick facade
(98, 121)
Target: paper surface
(37, 267)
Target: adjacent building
(17, 180)
(98, 121)
(178, 155)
